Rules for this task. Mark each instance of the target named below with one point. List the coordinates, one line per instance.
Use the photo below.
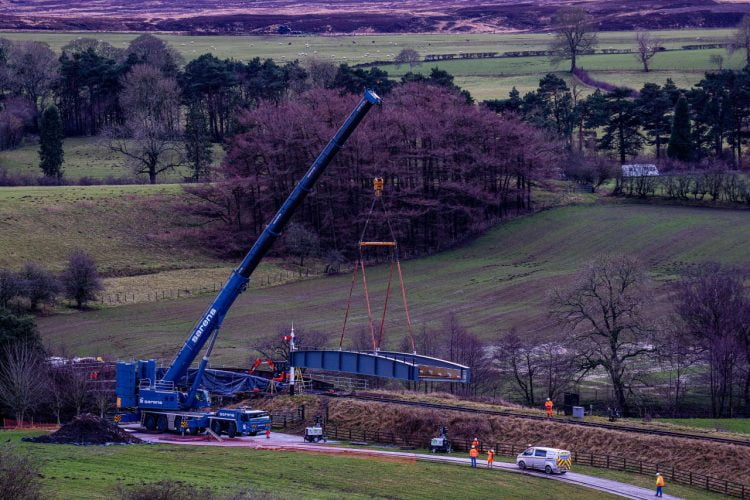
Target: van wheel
(522, 465)
(548, 470)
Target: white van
(550, 460)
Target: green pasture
(365, 48)
(128, 229)
(86, 157)
(498, 282)
(485, 78)
(739, 425)
(78, 472)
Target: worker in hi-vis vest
(473, 454)
(548, 405)
(659, 484)
(490, 458)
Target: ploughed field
(484, 78)
(498, 282)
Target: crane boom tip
(372, 97)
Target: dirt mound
(87, 430)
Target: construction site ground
(294, 443)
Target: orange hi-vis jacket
(548, 405)
(490, 456)
(659, 480)
(474, 453)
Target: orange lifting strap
(377, 243)
(378, 184)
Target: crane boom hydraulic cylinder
(237, 282)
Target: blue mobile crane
(160, 403)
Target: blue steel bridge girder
(384, 364)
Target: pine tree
(680, 143)
(197, 143)
(51, 155)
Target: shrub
(81, 280)
(19, 476)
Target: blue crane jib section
(396, 365)
(213, 317)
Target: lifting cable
(395, 262)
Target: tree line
(450, 168)
(156, 112)
(704, 125)
(33, 286)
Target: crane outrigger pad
(385, 364)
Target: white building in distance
(640, 170)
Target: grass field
(95, 472)
(128, 229)
(486, 79)
(497, 282)
(86, 157)
(739, 425)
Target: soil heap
(87, 430)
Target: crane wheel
(149, 422)
(232, 429)
(216, 427)
(161, 423)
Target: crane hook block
(377, 184)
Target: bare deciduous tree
(516, 358)
(717, 60)
(19, 476)
(58, 381)
(465, 348)
(575, 33)
(408, 56)
(81, 280)
(301, 242)
(11, 286)
(22, 388)
(33, 71)
(154, 51)
(40, 285)
(276, 348)
(103, 400)
(78, 388)
(676, 355)
(741, 39)
(713, 309)
(646, 47)
(320, 73)
(537, 365)
(602, 310)
(149, 139)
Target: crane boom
(237, 282)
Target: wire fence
(155, 295)
(612, 462)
